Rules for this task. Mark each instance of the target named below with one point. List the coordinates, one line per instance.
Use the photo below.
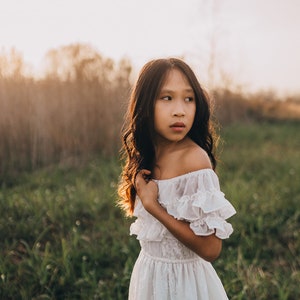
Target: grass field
(63, 238)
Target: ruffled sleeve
(194, 197)
(146, 227)
(206, 211)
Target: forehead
(175, 79)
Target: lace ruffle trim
(206, 212)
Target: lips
(178, 125)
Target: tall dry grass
(50, 121)
(232, 107)
(58, 119)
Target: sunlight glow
(251, 43)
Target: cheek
(192, 115)
(159, 111)
(157, 116)
(192, 111)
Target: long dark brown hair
(138, 130)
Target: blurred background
(66, 67)
(66, 70)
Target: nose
(178, 110)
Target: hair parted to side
(138, 129)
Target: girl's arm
(207, 247)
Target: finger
(134, 177)
(142, 177)
(145, 172)
(138, 177)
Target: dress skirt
(165, 279)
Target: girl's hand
(146, 189)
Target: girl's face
(174, 109)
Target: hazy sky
(253, 42)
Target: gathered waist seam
(168, 260)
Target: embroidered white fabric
(165, 268)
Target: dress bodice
(193, 197)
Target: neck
(163, 147)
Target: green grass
(62, 237)
(260, 174)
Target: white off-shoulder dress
(165, 268)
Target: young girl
(169, 184)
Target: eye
(188, 99)
(168, 98)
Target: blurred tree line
(75, 110)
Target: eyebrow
(188, 90)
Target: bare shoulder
(187, 158)
(195, 158)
